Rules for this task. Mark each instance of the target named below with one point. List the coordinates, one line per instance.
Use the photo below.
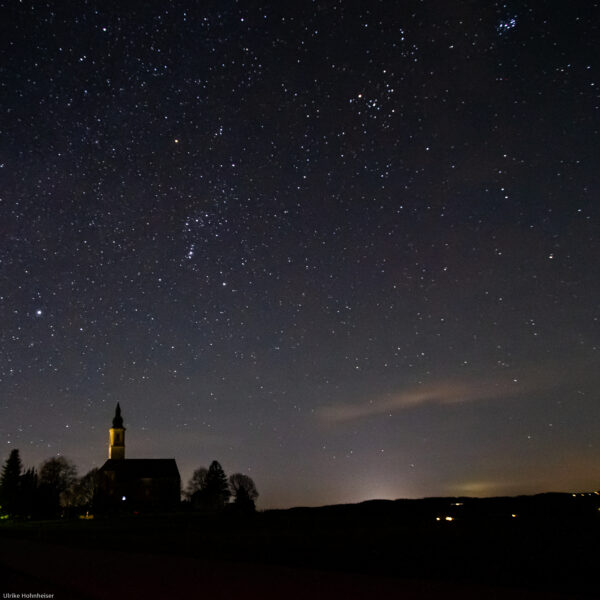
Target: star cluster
(350, 250)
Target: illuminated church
(135, 484)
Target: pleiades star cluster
(347, 248)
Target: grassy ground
(551, 543)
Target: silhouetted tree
(28, 493)
(10, 483)
(56, 475)
(196, 483)
(243, 503)
(244, 491)
(214, 494)
(87, 488)
(80, 494)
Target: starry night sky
(347, 248)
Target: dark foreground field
(379, 549)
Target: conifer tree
(9, 483)
(216, 490)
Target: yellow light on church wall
(116, 448)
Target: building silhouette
(135, 484)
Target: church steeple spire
(118, 419)
(116, 447)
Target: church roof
(139, 468)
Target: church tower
(116, 448)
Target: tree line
(54, 489)
(210, 489)
(42, 493)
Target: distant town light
(123, 498)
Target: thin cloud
(447, 392)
